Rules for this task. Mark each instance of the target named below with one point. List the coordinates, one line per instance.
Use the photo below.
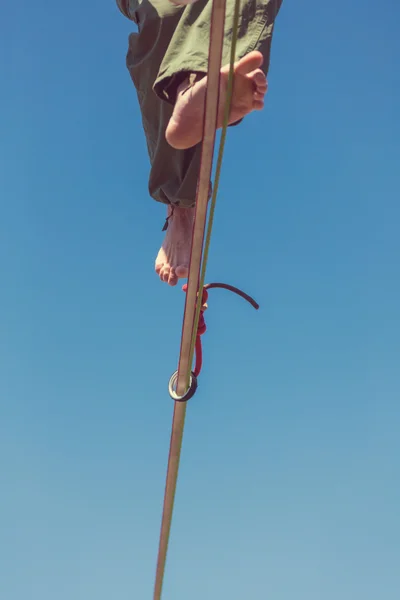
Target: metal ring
(189, 393)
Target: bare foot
(172, 262)
(185, 128)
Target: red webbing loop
(202, 327)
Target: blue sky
(289, 484)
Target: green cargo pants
(171, 43)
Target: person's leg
(172, 43)
(173, 173)
(188, 54)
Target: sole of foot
(185, 128)
(172, 262)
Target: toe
(259, 77)
(165, 273)
(173, 279)
(249, 63)
(182, 271)
(258, 96)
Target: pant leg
(173, 173)
(189, 46)
(173, 41)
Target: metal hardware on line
(188, 394)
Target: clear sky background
(289, 485)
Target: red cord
(201, 328)
(202, 324)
